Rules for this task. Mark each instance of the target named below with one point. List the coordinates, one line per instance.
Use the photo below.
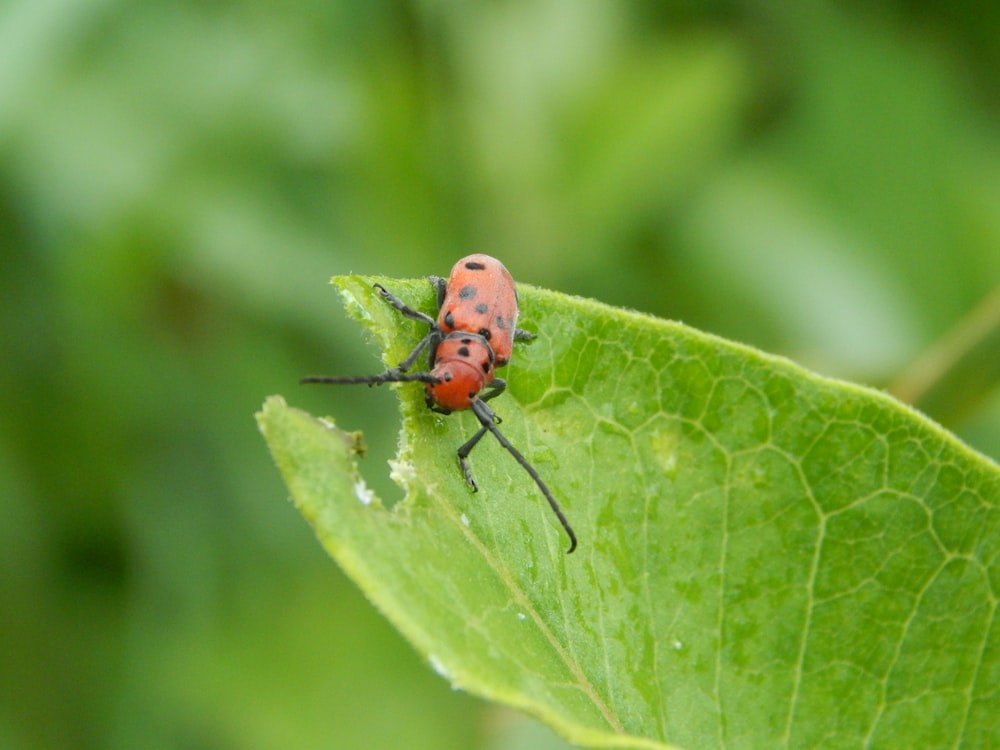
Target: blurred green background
(178, 181)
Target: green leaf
(767, 558)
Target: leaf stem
(958, 370)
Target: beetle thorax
(463, 365)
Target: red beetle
(473, 335)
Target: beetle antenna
(389, 376)
(488, 419)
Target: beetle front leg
(463, 455)
(493, 390)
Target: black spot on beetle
(473, 265)
(449, 319)
(463, 351)
(485, 333)
(501, 323)
(467, 292)
(482, 308)
(486, 367)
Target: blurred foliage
(178, 181)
